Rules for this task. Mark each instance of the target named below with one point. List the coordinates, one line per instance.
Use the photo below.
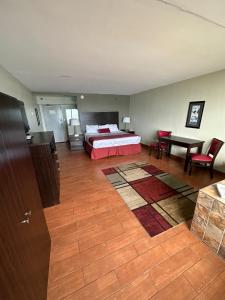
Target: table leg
(169, 149)
(159, 151)
(200, 149)
(187, 159)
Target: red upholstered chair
(208, 159)
(159, 147)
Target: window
(71, 114)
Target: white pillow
(113, 127)
(91, 128)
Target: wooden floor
(100, 250)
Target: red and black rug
(158, 199)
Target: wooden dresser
(46, 165)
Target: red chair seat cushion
(154, 145)
(201, 157)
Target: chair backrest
(161, 133)
(215, 147)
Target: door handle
(25, 221)
(28, 213)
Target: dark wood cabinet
(24, 237)
(46, 165)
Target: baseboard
(144, 146)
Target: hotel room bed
(100, 145)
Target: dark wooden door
(24, 237)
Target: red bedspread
(108, 137)
(112, 151)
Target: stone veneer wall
(209, 219)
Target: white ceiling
(110, 46)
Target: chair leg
(190, 167)
(211, 172)
(158, 154)
(161, 153)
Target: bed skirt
(112, 151)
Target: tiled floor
(100, 250)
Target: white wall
(12, 87)
(166, 108)
(104, 103)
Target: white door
(55, 121)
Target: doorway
(55, 119)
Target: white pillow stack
(113, 127)
(91, 128)
(94, 128)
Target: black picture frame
(194, 116)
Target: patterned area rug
(158, 199)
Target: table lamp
(75, 123)
(126, 120)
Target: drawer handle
(28, 213)
(25, 221)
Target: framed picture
(37, 116)
(194, 115)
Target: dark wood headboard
(98, 118)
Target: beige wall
(166, 108)
(96, 102)
(43, 99)
(90, 103)
(11, 86)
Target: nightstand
(76, 142)
(128, 131)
